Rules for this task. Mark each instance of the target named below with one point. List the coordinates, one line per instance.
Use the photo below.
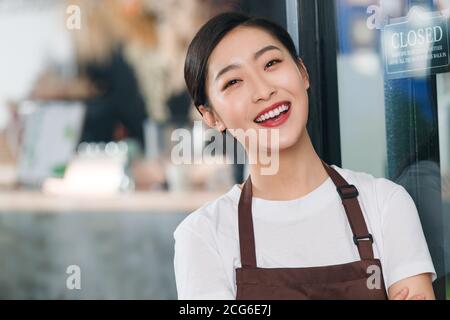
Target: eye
(230, 83)
(272, 62)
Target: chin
(286, 141)
(291, 139)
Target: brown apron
(344, 281)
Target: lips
(272, 112)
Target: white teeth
(272, 113)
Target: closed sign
(416, 45)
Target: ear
(304, 72)
(211, 118)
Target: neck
(300, 172)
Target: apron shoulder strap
(246, 234)
(348, 193)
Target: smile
(275, 116)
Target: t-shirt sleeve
(199, 270)
(405, 250)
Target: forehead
(239, 45)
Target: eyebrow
(257, 54)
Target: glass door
(381, 69)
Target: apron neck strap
(246, 234)
(348, 193)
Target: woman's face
(250, 73)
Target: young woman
(309, 231)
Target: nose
(262, 89)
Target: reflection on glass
(397, 129)
(443, 93)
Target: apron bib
(345, 281)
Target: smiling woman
(265, 239)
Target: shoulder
(206, 220)
(378, 191)
(395, 224)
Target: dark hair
(208, 37)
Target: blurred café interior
(87, 108)
(92, 90)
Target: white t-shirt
(306, 232)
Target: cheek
(231, 111)
(237, 116)
(234, 106)
(291, 81)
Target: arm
(406, 260)
(413, 288)
(199, 270)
